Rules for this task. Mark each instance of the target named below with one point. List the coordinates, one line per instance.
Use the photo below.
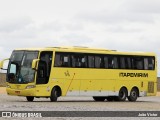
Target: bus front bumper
(24, 92)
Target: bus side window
(122, 63)
(146, 63)
(91, 61)
(112, 62)
(115, 63)
(65, 60)
(78, 61)
(149, 63)
(84, 62)
(57, 62)
(73, 61)
(138, 63)
(105, 62)
(98, 62)
(128, 62)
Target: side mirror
(35, 63)
(2, 63)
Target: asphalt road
(14, 103)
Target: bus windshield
(19, 68)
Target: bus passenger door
(43, 74)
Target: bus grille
(150, 87)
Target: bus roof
(87, 50)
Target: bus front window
(20, 70)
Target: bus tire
(133, 95)
(99, 98)
(54, 95)
(30, 98)
(122, 95)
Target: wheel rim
(134, 94)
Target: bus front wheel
(30, 98)
(54, 95)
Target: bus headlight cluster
(8, 86)
(30, 86)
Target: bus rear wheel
(133, 95)
(99, 98)
(30, 98)
(122, 95)
(54, 95)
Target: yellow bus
(80, 71)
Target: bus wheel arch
(134, 94)
(55, 93)
(122, 95)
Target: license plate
(17, 92)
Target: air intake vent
(150, 87)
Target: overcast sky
(125, 25)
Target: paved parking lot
(77, 104)
(15, 103)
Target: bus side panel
(102, 82)
(66, 79)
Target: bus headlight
(30, 86)
(8, 86)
